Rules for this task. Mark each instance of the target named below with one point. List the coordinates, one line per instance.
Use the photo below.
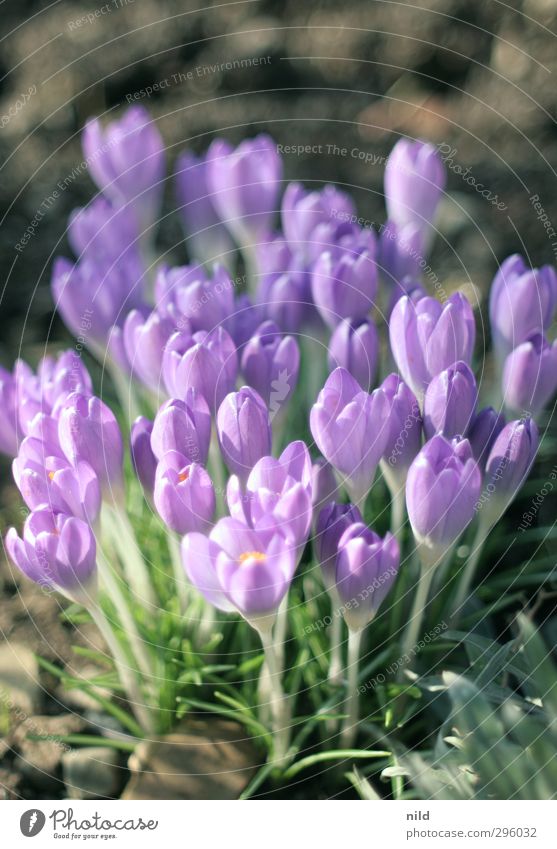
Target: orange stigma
(183, 476)
(252, 555)
(51, 475)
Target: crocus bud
(40, 393)
(344, 284)
(332, 522)
(482, 433)
(304, 212)
(324, 484)
(203, 361)
(183, 494)
(281, 489)
(92, 298)
(245, 185)
(143, 458)
(241, 568)
(442, 491)
(104, 233)
(351, 430)
(428, 337)
(50, 482)
(206, 237)
(244, 430)
(58, 552)
(450, 402)
(530, 375)
(355, 347)
(88, 431)
(145, 339)
(399, 254)
(286, 298)
(183, 426)
(126, 161)
(405, 431)
(244, 320)
(203, 302)
(414, 182)
(270, 364)
(366, 568)
(8, 414)
(507, 467)
(522, 302)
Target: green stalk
(350, 723)
(279, 708)
(469, 569)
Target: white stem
(125, 673)
(279, 710)
(130, 556)
(280, 630)
(178, 569)
(427, 570)
(110, 582)
(469, 569)
(335, 664)
(350, 724)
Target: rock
(20, 689)
(92, 773)
(39, 761)
(9, 785)
(213, 761)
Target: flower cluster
(220, 365)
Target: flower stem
(130, 555)
(279, 708)
(469, 570)
(124, 614)
(335, 664)
(125, 673)
(350, 724)
(427, 570)
(178, 569)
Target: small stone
(9, 785)
(214, 760)
(20, 689)
(39, 761)
(92, 773)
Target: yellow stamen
(51, 475)
(252, 555)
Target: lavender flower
(244, 430)
(355, 347)
(450, 402)
(530, 375)
(183, 426)
(183, 494)
(270, 364)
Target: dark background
(477, 76)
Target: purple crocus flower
(245, 185)
(183, 426)
(286, 298)
(104, 233)
(183, 494)
(507, 467)
(482, 433)
(332, 522)
(145, 339)
(9, 435)
(170, 281)
(204, 361)
(88, 431)
(92, 298)
(270, 364)
(442, 491)
(315, 217)
(57, 552)
(405, 431)
(399, 255)
(450, 402)
(530, 375)
(244, 320)
(203, 302)
(241, 568)
(344, 284)
(55, 379)
(366, 568)
(279, 488)
(414, 182)
(126, 161)
(50, 482)
(143, 458)
(324, 485)
(522, 302)
(351, 429)
(355, 347)
(207, 238)
(244, 430)
(428, 337)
